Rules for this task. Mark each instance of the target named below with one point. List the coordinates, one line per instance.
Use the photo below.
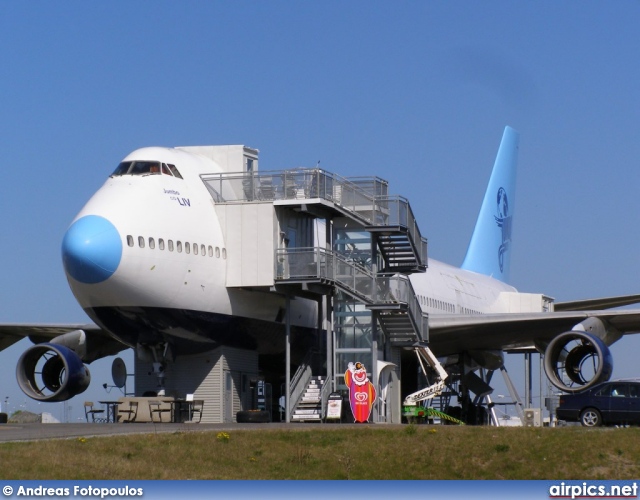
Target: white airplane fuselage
(146, 259)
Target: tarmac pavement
(37, 431)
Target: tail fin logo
(503, 220)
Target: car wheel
(590, 418)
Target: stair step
(306, 417)
(306, 412)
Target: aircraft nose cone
(91, 249)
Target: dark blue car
(609, 403)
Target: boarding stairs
(309, 406)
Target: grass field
(367, 452)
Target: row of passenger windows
(443, 305)
(437, 304)
(466, 310)
(179, 246)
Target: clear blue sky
(416, 92)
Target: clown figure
(362, 393)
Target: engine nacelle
(576, 360)
(51, 372)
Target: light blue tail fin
(489, 251)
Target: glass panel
(145, 168)
(122, 169)
(174, 171)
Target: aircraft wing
(450, 334)
(594, 304)
(99, 342)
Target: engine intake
(51, 372)
(576, 360)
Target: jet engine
(577, 360)
(51, 372)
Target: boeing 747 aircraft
(148, 258)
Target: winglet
(489, 250)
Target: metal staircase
(309, 406)
(391, 296)
(401, 245)
(363, 263)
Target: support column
(287, 371)
(374, 327)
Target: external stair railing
(390, 295)
(362, 198)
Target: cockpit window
(123, 168)
(174, 171)
(146, 168)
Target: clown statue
(362, 393)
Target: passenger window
(195, 249)
(130, 240)
(210, 251)
(152, 243)
(179, 246)
(141, 241)
(161, 244)
(203, 250)
(217, 252)
(224, 253)
(619, 390)
(605, 391)
(187, 247)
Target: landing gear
(159, 355)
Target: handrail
(299, 382)
(397, 212)
(365, 198)
(316, 262)
(324, 397)
(391, 289)
(302, 264)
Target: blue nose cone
(91, 249)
